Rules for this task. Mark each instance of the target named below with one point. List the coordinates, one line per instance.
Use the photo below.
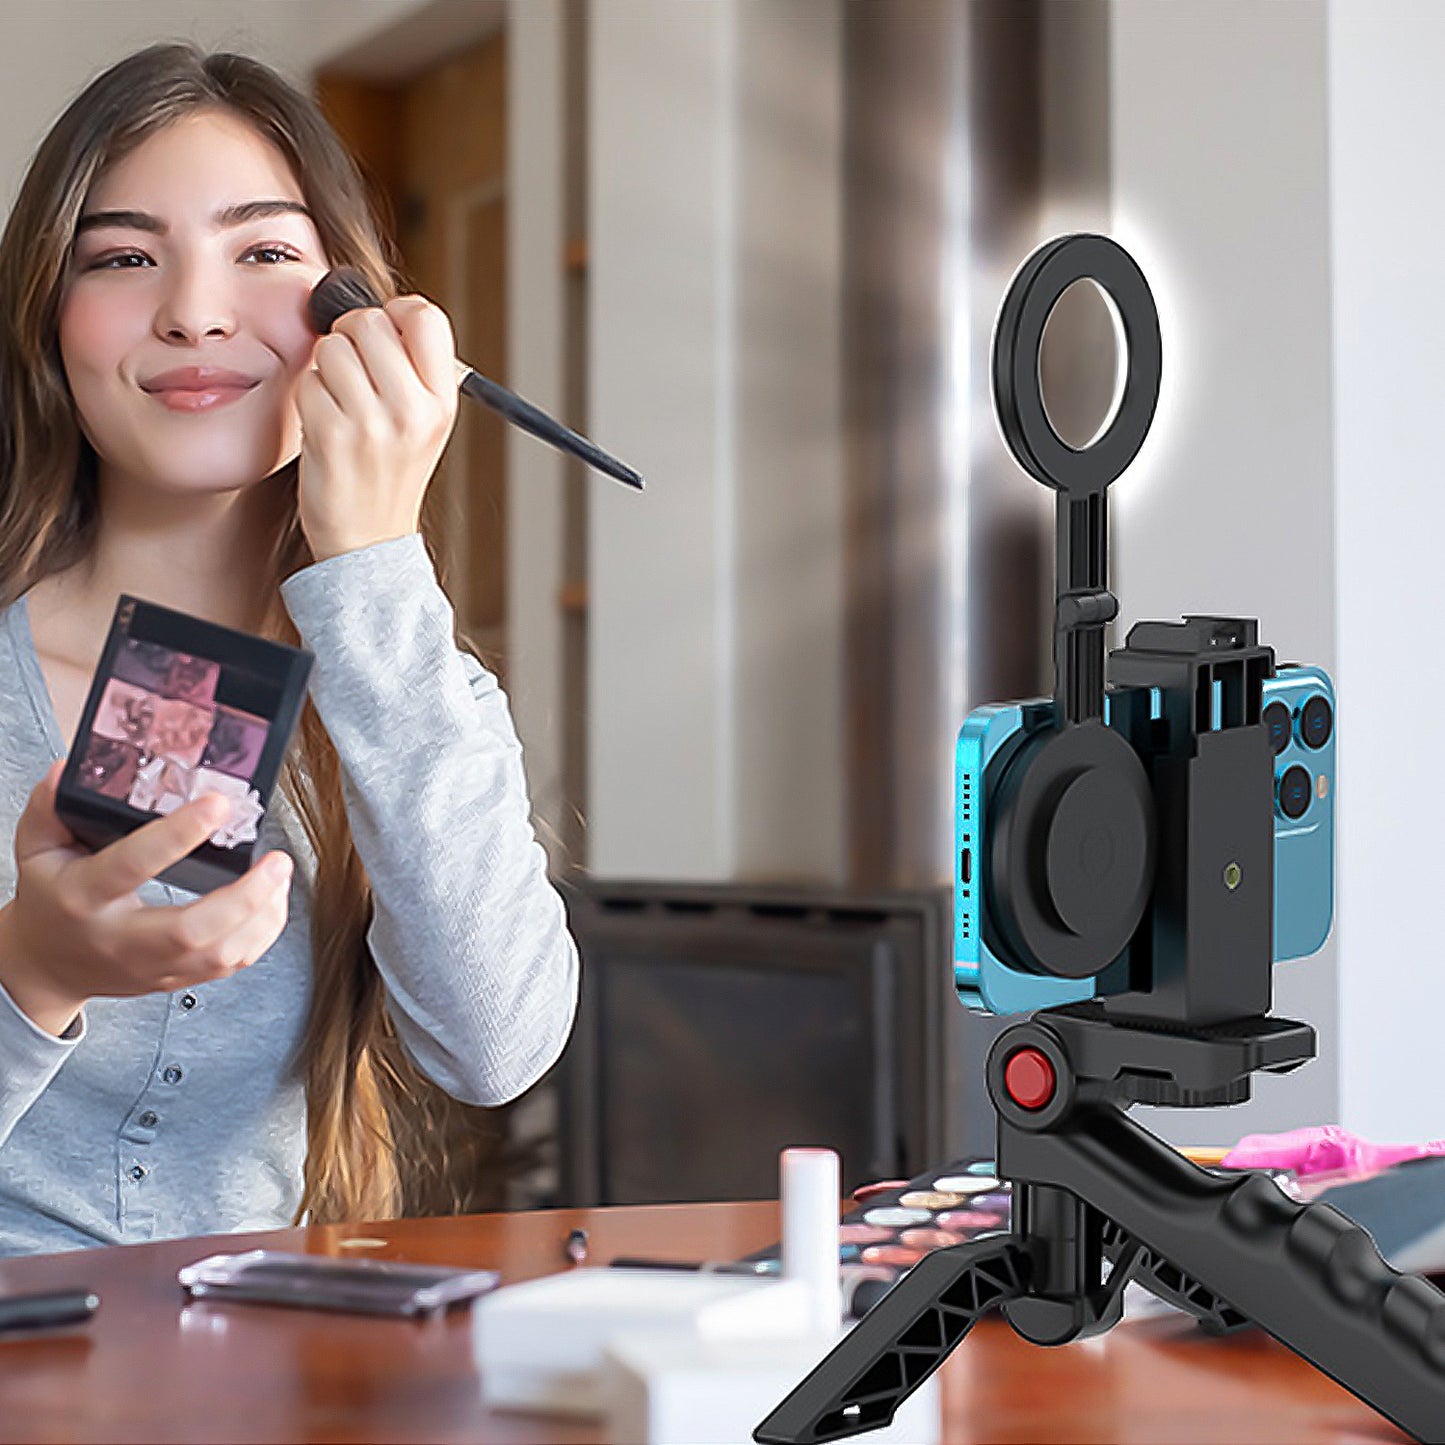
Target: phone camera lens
(1316, 721)
(1277, 724)
(1295, 788)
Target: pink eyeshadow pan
(927, 1238)
(971, 1219)
(192, 679)
(125, 713)
(892, 1254)
(235, 744)
(883, 1186)
(863, 1234)
(145, 664)
(180, 731)
(108, 767)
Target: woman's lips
(182, 398)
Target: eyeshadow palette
(178, 708)
(895, 1222)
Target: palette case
(180, 707)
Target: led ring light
(1073, 831)
(1018, 395)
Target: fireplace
(720, 1024)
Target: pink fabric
(1321, 1148)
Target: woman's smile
(198, 388)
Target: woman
(170, 427)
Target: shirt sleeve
(30, 1058)
(468, 933)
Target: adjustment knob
(1029, 1078)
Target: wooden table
(151, 1368)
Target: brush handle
(533, 419)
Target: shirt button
(137, 1172)
(172, 1074)
(149, 1119)
(188, 1000)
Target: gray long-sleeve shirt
(185, 1113)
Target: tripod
(1093, 1189)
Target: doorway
(433, 147)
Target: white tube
(810, 1191)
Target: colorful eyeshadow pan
(125, 714)
(967, 1183)
(180, 730)
(994, 1199)
(863, 1234)
(967, 1219)
(928, 1238)
(235, 743)
(109, 767)
(897, 1218)
(180, 707)
(192, 679)
(146, 664)
(932, 1199)
(883, 1186)
(893, 1254)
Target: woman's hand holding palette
(180, 708)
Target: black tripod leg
(1303, 1272)
(1168, 1282)
(900, 1342)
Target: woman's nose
(195, 304)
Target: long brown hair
(362, 1093)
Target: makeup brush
(346, 289)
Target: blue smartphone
(1298, 709)
(1299, 712)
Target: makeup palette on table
(895, 1222)
(179, 708)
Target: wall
(535, 369)
(53, 47)
(714, 742)
(1387, 216)
(1219, 179)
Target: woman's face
(183, 319)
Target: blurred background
(755, 249)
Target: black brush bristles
(337, 292)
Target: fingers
(403, 349)
(363, 369)
(123, 866)
(251, 940)
(38, 828)
(369, 362)
(220, 933)
(426, 333)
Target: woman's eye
(272, 254)
(118, 260)
(129, 260)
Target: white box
(539, 1345)
(672, 1390)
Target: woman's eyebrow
(227, 216)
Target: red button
(1029, 1078)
